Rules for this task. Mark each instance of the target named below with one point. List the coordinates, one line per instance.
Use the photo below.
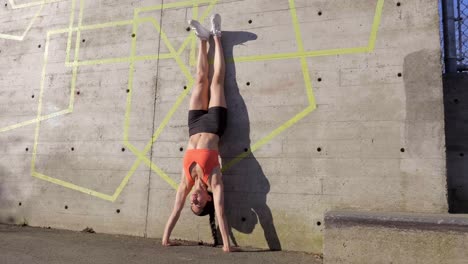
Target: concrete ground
(39, 245)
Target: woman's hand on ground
(169, 243)
(231, 249)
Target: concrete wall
(455, 96)
(332, 104)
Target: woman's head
(207, 209)
(201, 202)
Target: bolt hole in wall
(319, 13)
(84, 40)
(462, 154)
(128, 90)
(181, 149)
(319, 223)
(27, 149)
(39, 46)
(32, 96)
(399, 74)
(248, 83)
(72, 149)
(188, 29)
(246, 149)
(319, 149)
(398, 4)
(319, 79)
(19, 204)
(123, 149)
(455, 101)
(66, 207)
(185, 87)
(78, 92)
(402, 150)
(250, 21)
(117, 211)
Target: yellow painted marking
(39, 108)
(124, 182)
(33, 19)
(33, 121)
(298, 55)
(21, 38)
(375, 25)
(141, 155)
(25, 5)
(270, 136)
(150, 164)
(300, 45)
(73, 186)
(131, 72)
(172, 5)
(194, 41)
(70, 31)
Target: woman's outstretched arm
(181, 195)
(218, 198)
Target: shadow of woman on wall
(245, 185)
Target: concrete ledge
(382, 237)
(446, 222)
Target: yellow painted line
(93, 27)
(69, 110)
(131, 72)
(297, 30)
(186, 42)
(124, 182)
(73, 186)
(70, 31)
(10, 37)
(21, 38)
(33, 121)
(39, 108)
(193, 46)
(25, 5)
(140, 156)
(297, 55)
(151, 165)
(172, 5)
(300, 47)
(270, 136)
(120, 60)
(77, 54)
(208, 9)
(375, 25)
(184, 70)
(33, 19)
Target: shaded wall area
(456, 134)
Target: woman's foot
(201, 32)
(216, 25)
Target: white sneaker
(201, 32)
(216, 25)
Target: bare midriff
(203, 141)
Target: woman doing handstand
(207, 122)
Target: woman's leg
(200, 97)
(217, 97)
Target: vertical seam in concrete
(154, 115)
